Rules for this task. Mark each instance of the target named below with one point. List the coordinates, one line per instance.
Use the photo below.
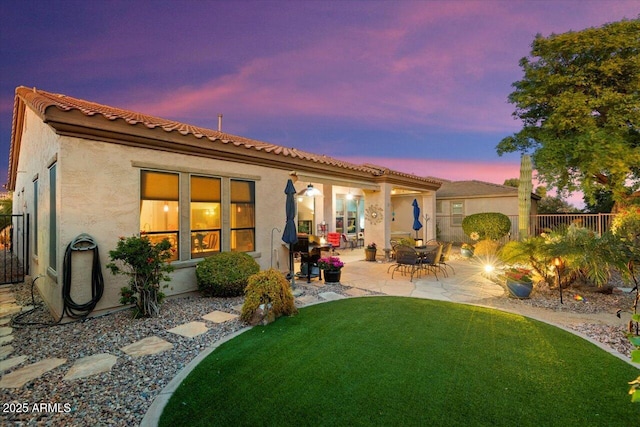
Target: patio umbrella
(290, 234)
(417, 225)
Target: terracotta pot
(518, 289)
(332, 276)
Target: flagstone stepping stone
(219, 316)
(91, 365)
(6, 339)
(10, 363)
(7, 298)
(21, 376)
(356, 292)
(331, 296)
(146, 346)
(5, 320)
(237, 308)
(306, 299)
(9, 309)
(5, 330)
(190, 330)
(5, 351)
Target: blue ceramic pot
(466, 253)
(519, 289)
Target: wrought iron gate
(14, 248)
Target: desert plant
(583, 253)
(145, 264)
(270, 290)
(487, 225)
(524, 196)
(225, 274)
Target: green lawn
(402, 361)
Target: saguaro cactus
(524, 196)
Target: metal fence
(14, 240)
(449, 228)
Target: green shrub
(486, 247)
(271, 289)
(225, 274)
(407, 241)
(146, 265)
(626, 226)
(487, 225)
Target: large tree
(579, 101)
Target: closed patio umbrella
(417, 225)
(290, 234)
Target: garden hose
(83, 242)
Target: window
(35, 216)
(159, 207)
(53, 229)
(457, 213)
(205, 216)
(340, 215)
(242, 212)
(439, 206)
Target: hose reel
(83, 242)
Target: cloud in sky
(426, 80)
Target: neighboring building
(457, 199)
(80, 167)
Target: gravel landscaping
(122, 396)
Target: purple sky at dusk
(418, 86)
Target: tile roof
(474, 188)
(40, 101)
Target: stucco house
(80, 167)
(457, 199)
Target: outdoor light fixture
(349, 195)
(166, 207)
(559, 264)
(310, 192)
(419, 242)
(488, 268)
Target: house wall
(402, 216)
(99, 194)
(38, 151)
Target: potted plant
(466, 250)
(370, 251)
(332, 267)
(519, 282)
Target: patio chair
(446, 254)
(407, 261)
(334, 240)
(345, 242)
(394, 244)
(431, 261)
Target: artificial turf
(403, 361)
